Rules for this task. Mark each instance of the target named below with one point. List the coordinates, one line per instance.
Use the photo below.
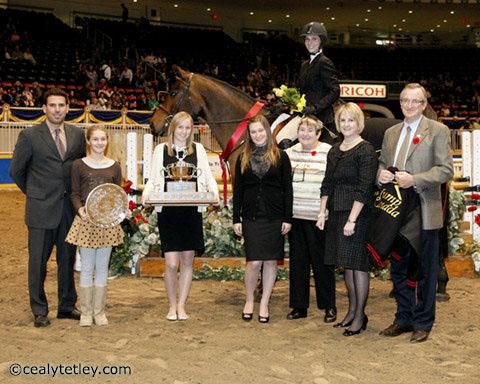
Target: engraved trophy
(180, 189)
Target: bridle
(185, 92)
(178, 103)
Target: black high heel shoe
(263, 319)
(347, 332)
(342, 325)
(247, 316)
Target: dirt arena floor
(215, 345)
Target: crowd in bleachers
(133, 72)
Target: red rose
(131, 205)
(126, 187)
(416, 140)
(314, 153)
(477, 219)
(475, 196)
(471, 209)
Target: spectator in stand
(151, 59)
(28, 95)
(37, 94)
(107, 72)
(142, 103)
(126, 76)
(17, 54)
(14, 37)
(95, 104)
(116, 102)
(102, 101)
(29, 57)
(131, 54)
(13, 98)
(92, 76)
(6, 53)
(104, 91)
(124, 13)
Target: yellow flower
(283, 87)
(278, 92)
(300, 105)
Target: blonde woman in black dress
(347, 192)
(262, 210)
(180, 228)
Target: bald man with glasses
(420, 149)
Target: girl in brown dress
(95, 242)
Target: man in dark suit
(318, 80)
(420, 148)
(41, 167)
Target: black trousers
(40, 245)
(307, 249)
(416, 310)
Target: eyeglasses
(412, 101)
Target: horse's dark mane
(233, 89)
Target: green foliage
(456, 244)
(220, 239)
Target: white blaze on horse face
(308, 137)
(258, 134)
(312, 43)
(349, 126)
(182, 133)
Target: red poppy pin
(314, 153)
(475, 196)
(471, 209)
(477, 219)
(416, 140)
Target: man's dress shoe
(419, 336)
(75, 315)
(297, 313)
(330, 315)
(41, 321)
(394, 330)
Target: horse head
(182, 96)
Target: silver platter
(107, 205)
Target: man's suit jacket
(429, 161)
(43, 176)
(318, 81)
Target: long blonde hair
(176, 121)
(272, 153)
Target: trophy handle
(197, 172)
(165, 173)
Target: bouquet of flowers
(291, 98)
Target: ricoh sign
(364, 91)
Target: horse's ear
(179, 72)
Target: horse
(220, 104)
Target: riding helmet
(314, 28)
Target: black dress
(350, 177)
(263, 204)
(180, 228)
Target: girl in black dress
(180, 228)
(347, 191)
(262, 210)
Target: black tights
(357, 283)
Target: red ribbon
(233, 141)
